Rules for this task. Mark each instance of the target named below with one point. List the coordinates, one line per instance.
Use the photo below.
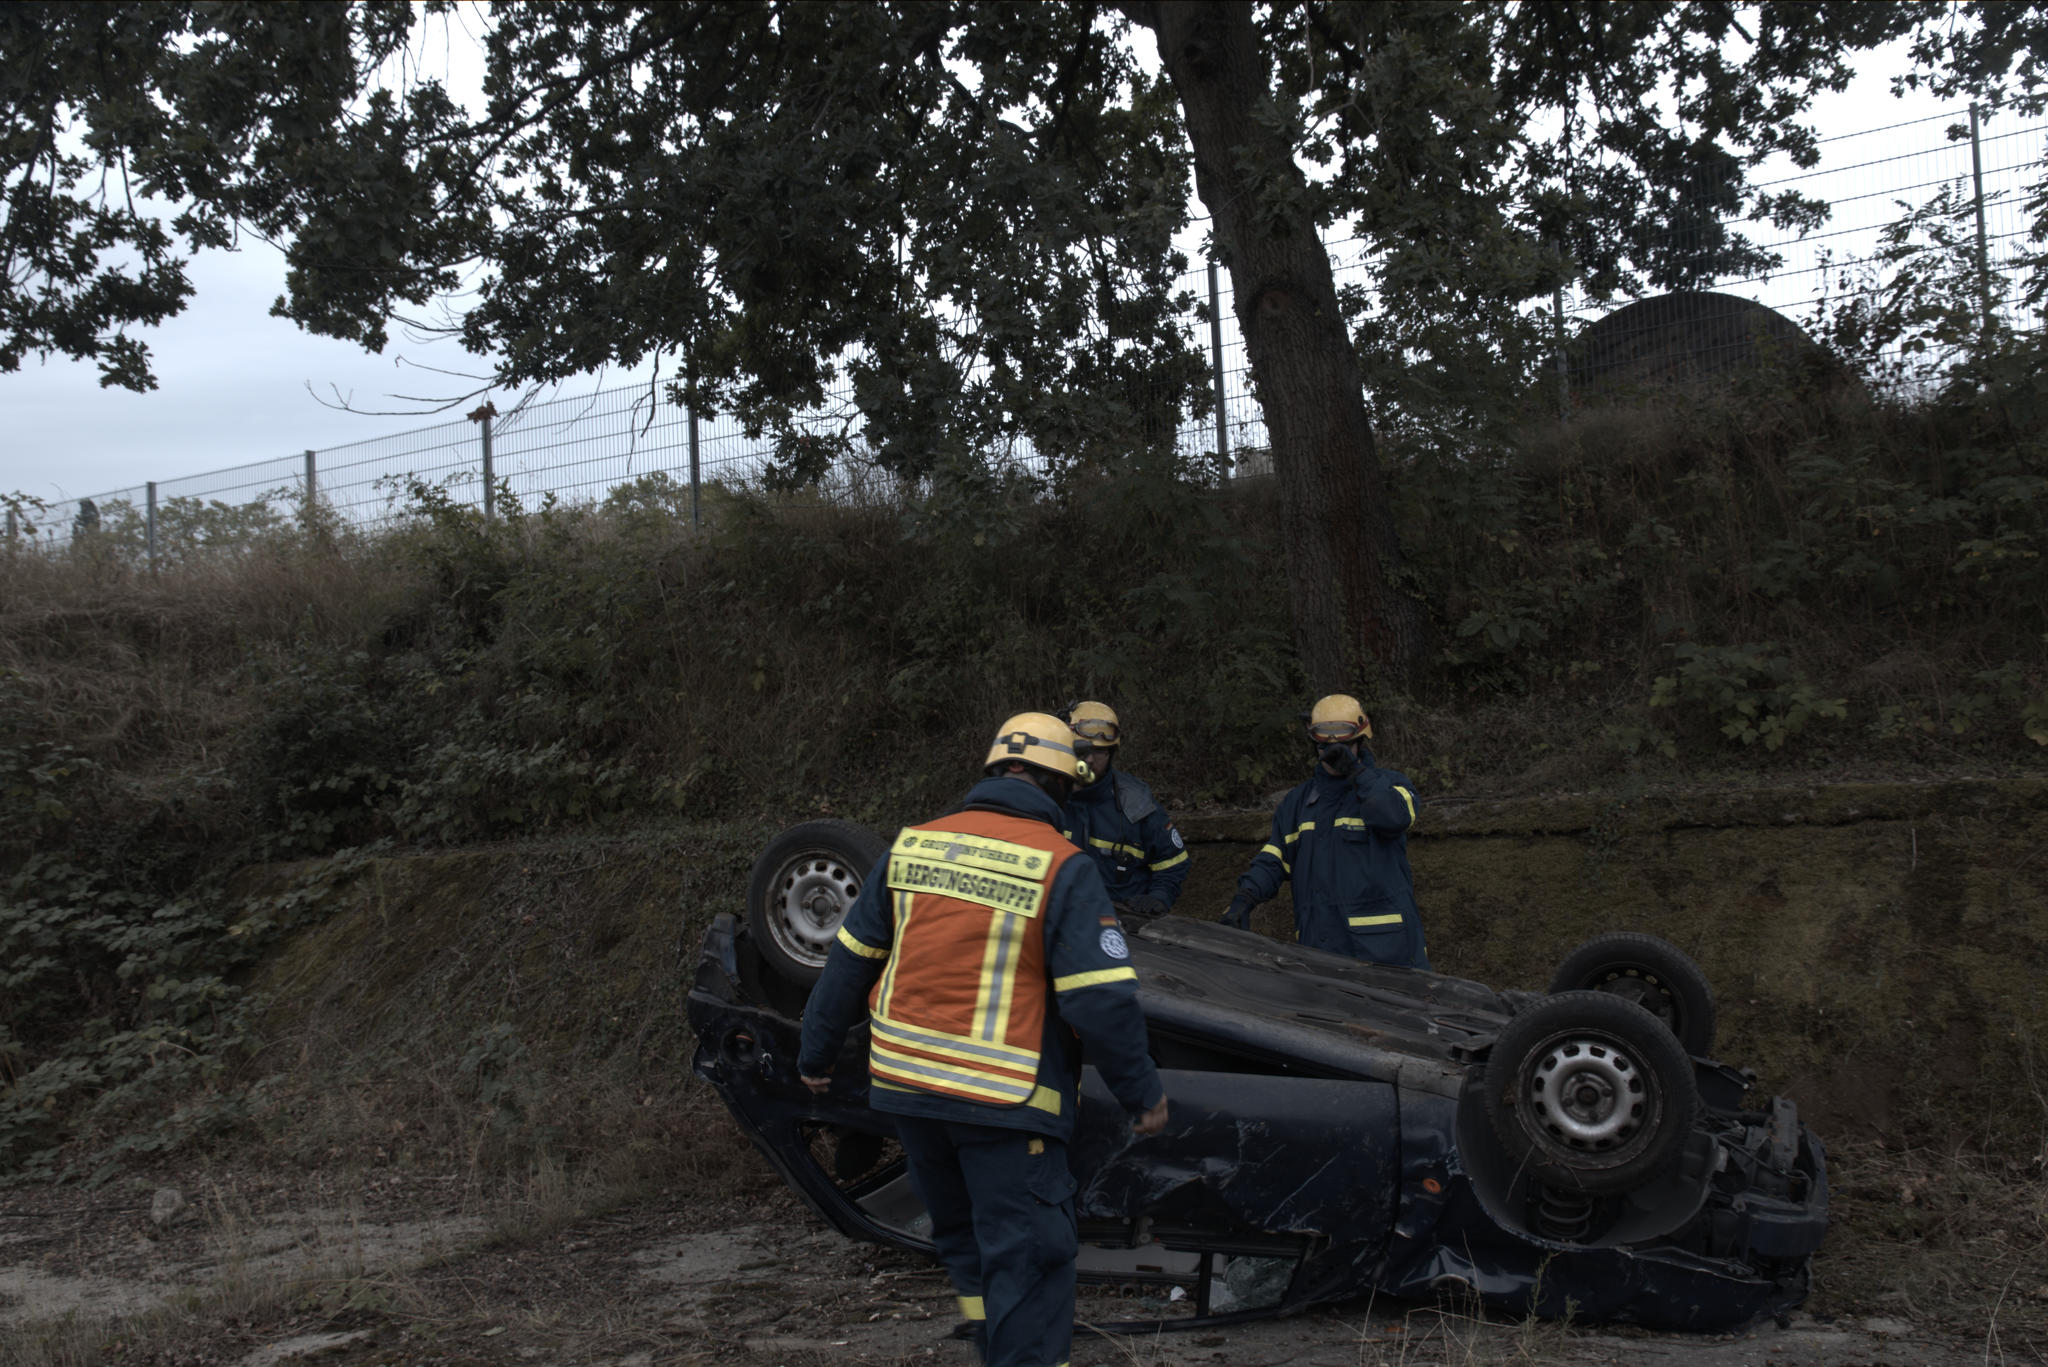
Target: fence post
(312, 492)
(490, 476)
(1216, 369)
(149, 520)
(696, 512)
(13, 526)
(1564, 370)
(482, 416)
(1983, 256)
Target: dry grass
(245, 1287)
(149, 672)
(364, 1143)
(1953, 1238)
(570, 1137)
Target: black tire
(800, 890)
(1654, 974)
(1589, 1092)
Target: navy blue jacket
(1093, 993)
(1135, 847)
(1344, 844)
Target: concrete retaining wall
(1879, 951)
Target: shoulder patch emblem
(1174, 831)
(1113, 944)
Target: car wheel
(1654, 974)
(800, 890)
(1589, 1092)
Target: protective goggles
(1096, 732)
(1335, 732)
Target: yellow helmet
(1096, 723)
(1338, 720)
(1038, 739)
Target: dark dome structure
(1693, 337)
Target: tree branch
(1063, 88)
(1319, 20)
(567, 87)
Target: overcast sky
(236, 385)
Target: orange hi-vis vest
(960, 1009)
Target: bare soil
(382, 1269)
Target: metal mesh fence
(1951, 213)
(1961, 192)
(1868, 187)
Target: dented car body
(1329, 1137)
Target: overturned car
(1337, 1127)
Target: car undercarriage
(1341, 1128)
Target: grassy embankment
(1722, 590)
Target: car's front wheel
(1589, 1092)
(800, 890)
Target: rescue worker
(1114, 818)
(981, 947)
(1342, 838)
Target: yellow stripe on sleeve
(1393, 919)
(865, 951)
(1180, 858)
(1099, 976)
(1408, 798)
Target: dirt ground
(404, 1270)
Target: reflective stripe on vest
(960, 1009)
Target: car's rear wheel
(800, 890)
(1589, 1092)
(1653, 973)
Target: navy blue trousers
(1002, 1207)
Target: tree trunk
(1352, 624)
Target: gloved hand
(1339, 758)
(1145, 906)
(1239, 917)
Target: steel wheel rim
(813, 893)
(1587, 1094)
(1646, 990)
